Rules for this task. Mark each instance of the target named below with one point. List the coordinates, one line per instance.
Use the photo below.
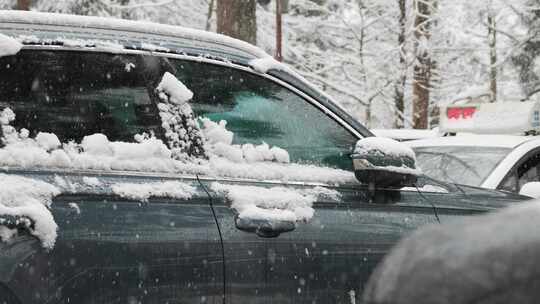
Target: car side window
(509, 183)
(527, 171)
(74, 94)
(78, 94)
(259, 110)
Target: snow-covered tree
(364, 52)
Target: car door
(263, 118)
(329, 258)
(114, 246)
(327, 252)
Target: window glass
(258, 110)
(461, 165)
(510, 182)
(529, 171)
(75, 94)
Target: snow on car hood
(31, 199)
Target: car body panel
(112, 249)
(332, 255)
(150, 251)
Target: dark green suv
(145, 163)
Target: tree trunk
(492, 38)
(367, 114)
(238, 19)
(399, 87)
(209, 15)
(422, 67)
(279, 33)
(23, 5)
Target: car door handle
(264, 227)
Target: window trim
(173, 176)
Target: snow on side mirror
(384, 163)
(531, 189)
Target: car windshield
(459, 164)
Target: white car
(478, 155)
(504, 162)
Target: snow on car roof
(499, 141)
(40, 24)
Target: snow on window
(75, 207)
(6, 130)
(9, 46)
(219, 143)
(92, 181)
(149, 154)
(276, 203)
(6, 116)
(175, 91)
(26, 198)
(282, 172)
(129, 66)
(47, 141)
(143, 192)
(181, 129)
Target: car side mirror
(384, 163)
(531, 189)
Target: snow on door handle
(264, 227)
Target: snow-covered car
(478, 155)
(503, 162)
(145, 163)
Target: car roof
(40, 27)
(498, 141)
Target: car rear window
(73, 95)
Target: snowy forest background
(391, 63)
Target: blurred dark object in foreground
(491, 258)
